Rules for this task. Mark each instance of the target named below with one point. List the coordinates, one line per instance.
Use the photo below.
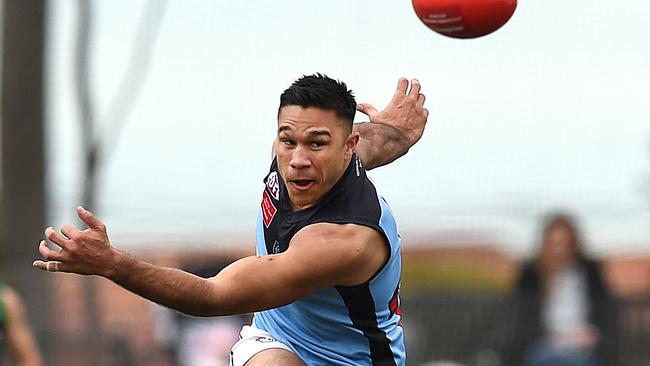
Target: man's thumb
(366, 109)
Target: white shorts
(251, 342)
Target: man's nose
(300, 158)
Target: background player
(15, 334)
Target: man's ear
(351, 143)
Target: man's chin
(301, 200)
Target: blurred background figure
(564, 314)
(16, 339)
(196, 341)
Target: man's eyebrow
(320, 133)
(284, 128)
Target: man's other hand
(405, 111)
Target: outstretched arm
(319, 256)
(392, 131)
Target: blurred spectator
(15, 334)
(563, 314)
(194, 341)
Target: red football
(464, 18)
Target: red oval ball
(464, 18)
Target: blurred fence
(474, 329)
(442, 327)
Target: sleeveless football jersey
(341, 325)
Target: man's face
(313, 148)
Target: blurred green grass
(457, 269)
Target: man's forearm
(380, 144)
(170, 287)
(241, 287)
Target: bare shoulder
(356, 251)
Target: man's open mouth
(302, 184)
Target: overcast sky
(551, 111)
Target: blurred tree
(96, 134)
(22, 212)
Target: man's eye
(317, 144)
(286, 142)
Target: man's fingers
(48, 253)
(415, 87)
(40, 265)
(90, 219)
(69, 231)
(421, 99)
(402, 87)
(55, 237)
(50, 266)
(366, 109)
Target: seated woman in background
(563, 314)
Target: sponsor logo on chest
(273, 185)
(268, 209)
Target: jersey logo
(268, 210)
(265, 339)
(276, 247)
(395, 305)
(273, 185)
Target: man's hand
(405, 111)
(392, 131)
(87, 252)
